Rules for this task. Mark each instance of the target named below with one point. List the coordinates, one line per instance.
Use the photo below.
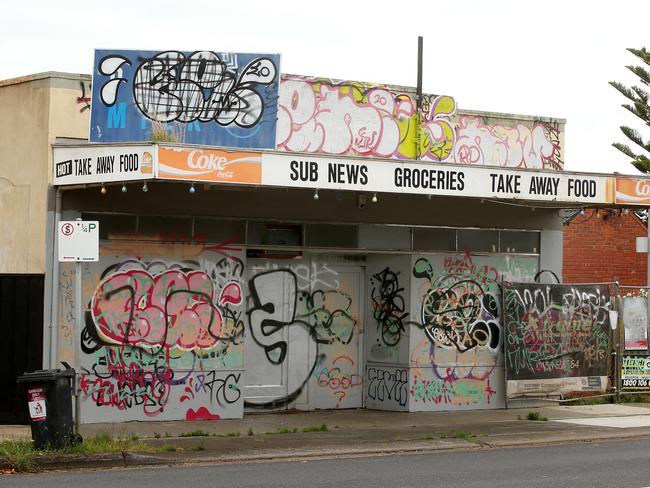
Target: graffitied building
(601, 246)
(34, 111)
(273, 242)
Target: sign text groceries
(399, 177)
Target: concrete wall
(34, 110)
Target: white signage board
(78, 240)
(307, 171)
(103, 164)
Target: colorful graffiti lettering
(458, 313)
(456, 362)
(460, 392)
(338, 379)
(174, 308)
(518, 146)
(320, 115)
(156, 334)
(556, 331)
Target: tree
(639, 107)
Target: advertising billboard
(200, 97)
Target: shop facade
(355, 263)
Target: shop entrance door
(303, 344)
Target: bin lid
(45, 375)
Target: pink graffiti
(231, 294)
(463, 268)
(437, 127)
(518, 146)
(128, 388)
(173, 309)
(200, 413)
(329, 120)
(338, 381)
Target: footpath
(349, 433)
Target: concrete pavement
(298, 435)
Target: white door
(338, 320)
(303, 343)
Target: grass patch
(458, 434)
(156, 435)
(233, 434)
(21, 455)
(168, 448)
(537, 416)
(195, 433)
(293, 430)
(105, 442)
(591, 401)
(198, 447)
(638, 398)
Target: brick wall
(601, 246)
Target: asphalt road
(609, 464)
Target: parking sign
(78, 240)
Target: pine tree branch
(625, 150)
(624, 90)
(641, 94)
(642, 110)
(634, 136)
(642, 54)
(642, 164)
(639, 113)
(643, 74)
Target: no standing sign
(78, 240)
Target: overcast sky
(547, 58)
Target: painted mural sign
(103, 164)
(635, 373)
(209, 165)
(557, 338)
(200, 97)
(635, 323)
(431, 179)
(351, 118)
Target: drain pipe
(54, 282)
